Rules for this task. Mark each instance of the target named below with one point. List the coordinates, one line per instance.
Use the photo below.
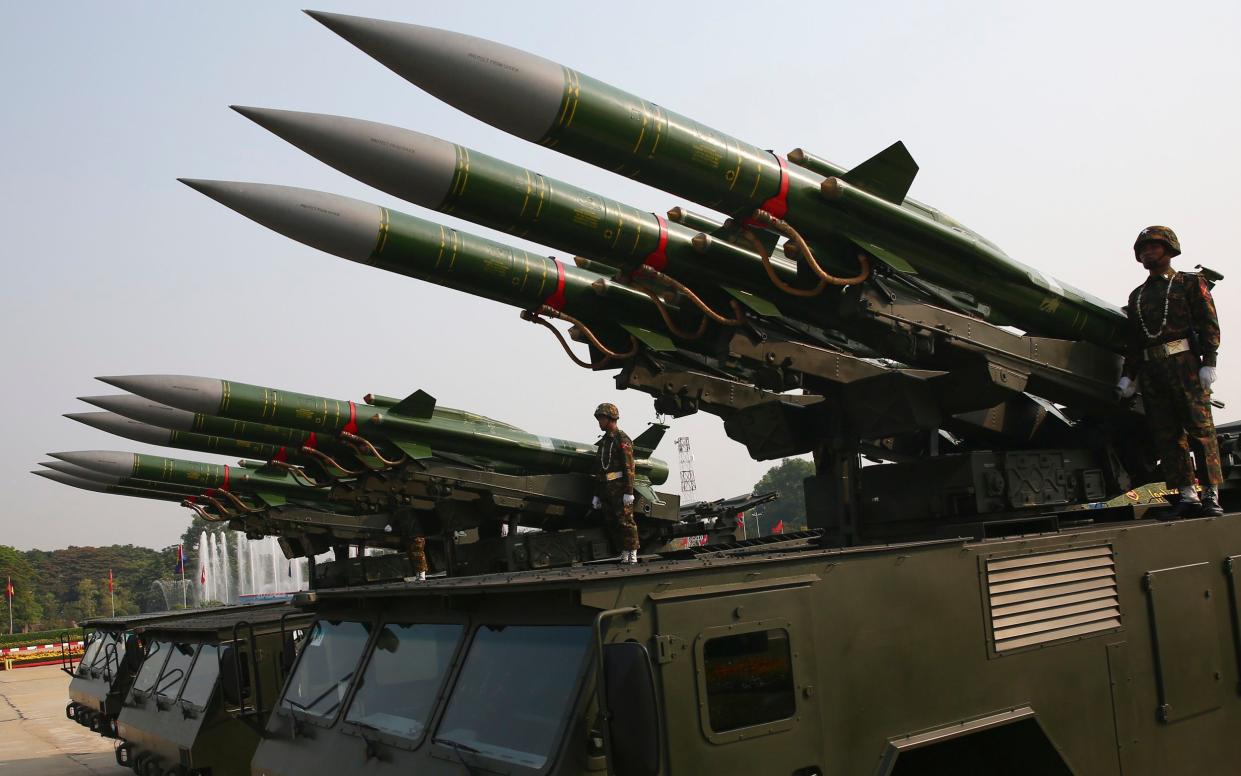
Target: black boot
(1210, 504)
(1183, 509)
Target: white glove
(1126, 387)
(627, 499)
(1207, 376)
(596, 503)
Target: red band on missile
(281, 455)
(556, 300)
(312, 441)
(658, 258)
(225, 485)
(778, 205)
(352, 426)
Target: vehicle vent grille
(1050, 596)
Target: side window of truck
(748, 679)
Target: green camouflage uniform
(615, 475)
(1178, 410)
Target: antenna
(689, 487)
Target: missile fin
(653, 340)
(756, 303)
(271, 499)
(888, 174)
(414, 450)
(646, 442)
(418, 404)
(647, 492)
(886, 256)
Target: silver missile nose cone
(65, 479)
(185, 392)
(415, 167)
(507, 88)
(112, 423)
(145, 410)
(106, 461)
(81, 472)
(341, 226)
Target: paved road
(35, 737)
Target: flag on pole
(203, 578)
(779, 528)
(8, 587)
(180, 567)
(111, 584)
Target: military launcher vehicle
(103, 676)
(827, 314)
(955, 609)
(205, 688)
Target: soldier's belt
(609, 476)
(1166, 350)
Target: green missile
(416, 424)
(101, 487)
(453, 179)
(188, 430)
(547, 103)
(128, 428)
(84, 473)
(400, 243)
(270, 489)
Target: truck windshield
(113, 664)
(202, 676)
(327, 665)
(94, 641)
(157, 652)
(407, 667)
(515, 691)
(173, 675)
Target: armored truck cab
(202, 695)
(1110, 648)
(102, 678)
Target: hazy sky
(1057, 130)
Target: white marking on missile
(546, 443)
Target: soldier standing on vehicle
(1173, 341)
(614, 490)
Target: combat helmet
(607, 410)
(1161, 234)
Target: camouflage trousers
(1178, 413)
(416, 551)
(618, 518)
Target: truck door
(738, 678)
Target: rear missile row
(306, 450)
(415, 426)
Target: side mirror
(633, 711)
(234, 676)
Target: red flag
(779, 527)
(741, 519)
(203, 579)
(111, 584)
(180, 567)
(8, 588)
